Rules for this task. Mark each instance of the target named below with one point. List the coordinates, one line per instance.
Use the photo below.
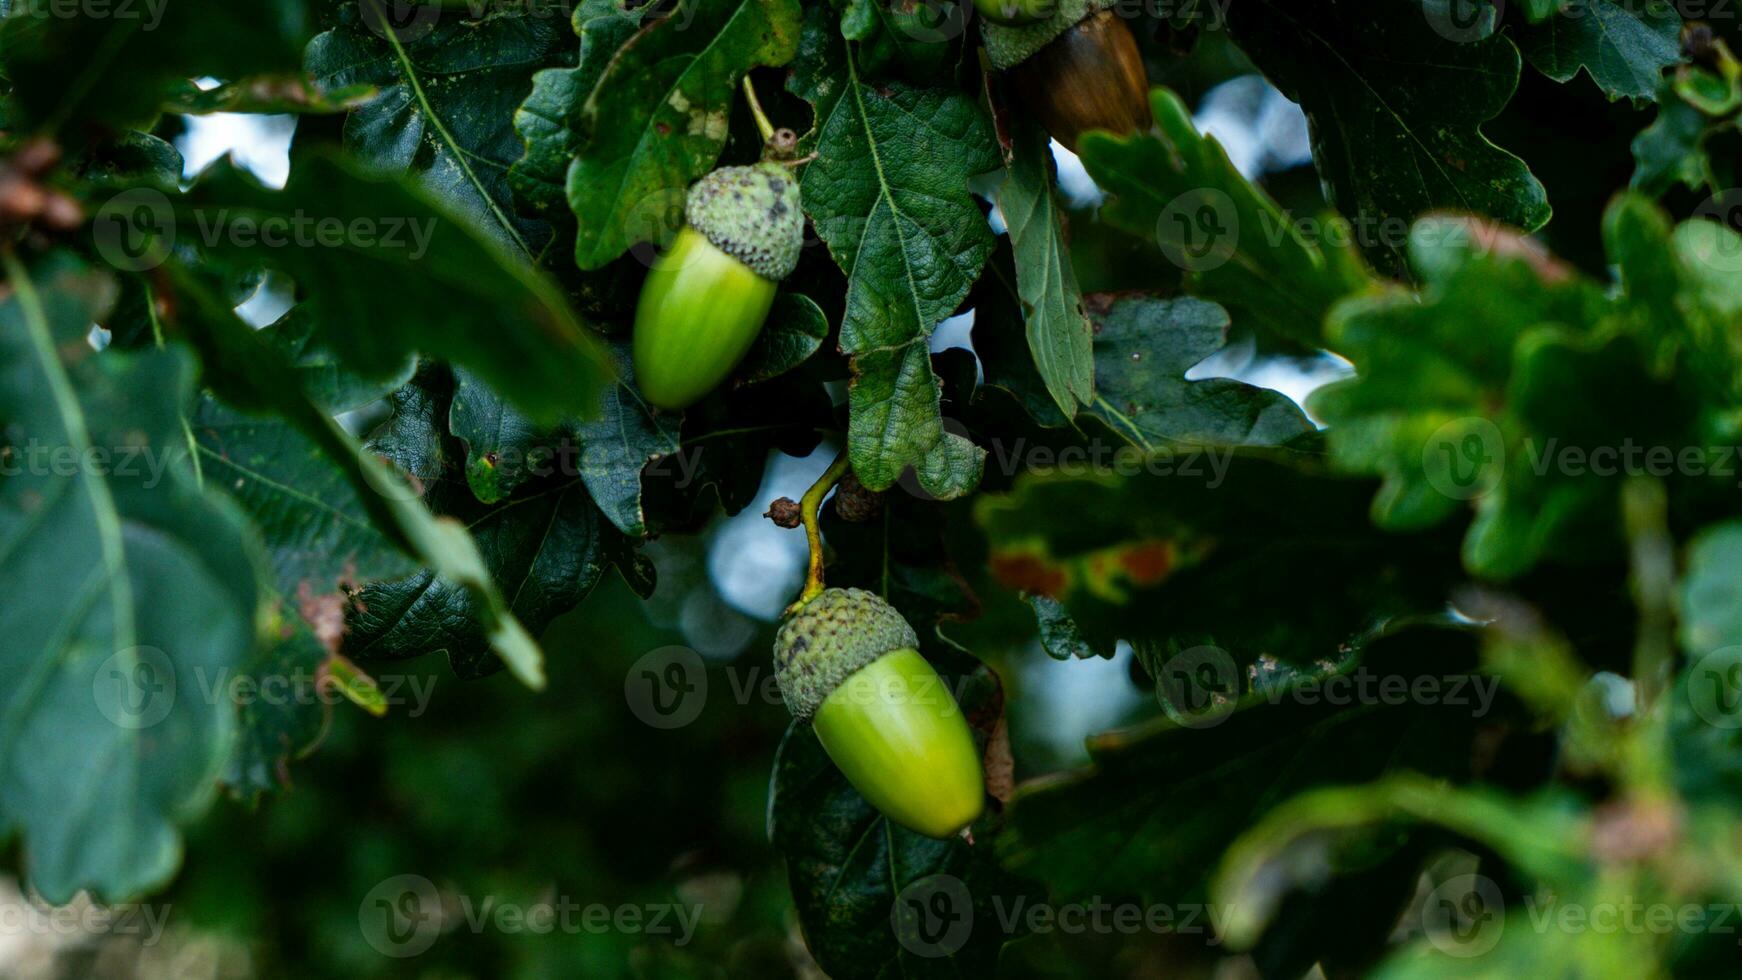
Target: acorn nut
(848, 664)
(706, 298)
(1075, 71)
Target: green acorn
(704, 302)
(1077, 70)
(849, 664)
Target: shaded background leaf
(446, 96)
(1396, 96)
(421, 281)
(142, 589)
(1177, 186)
(1624, 46)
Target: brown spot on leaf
(325, 614)
(1147, 562)
(1026, 572)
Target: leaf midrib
(113, 570)
(409, 72)
(884, 193)
(108, 518)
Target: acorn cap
(1008, 47)
(828, 639)
(752, 214)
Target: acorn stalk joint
(848, 664)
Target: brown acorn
(854, 502)
(1076, 71)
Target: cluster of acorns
(846, 661)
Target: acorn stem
(763, 126)
(813, 532)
